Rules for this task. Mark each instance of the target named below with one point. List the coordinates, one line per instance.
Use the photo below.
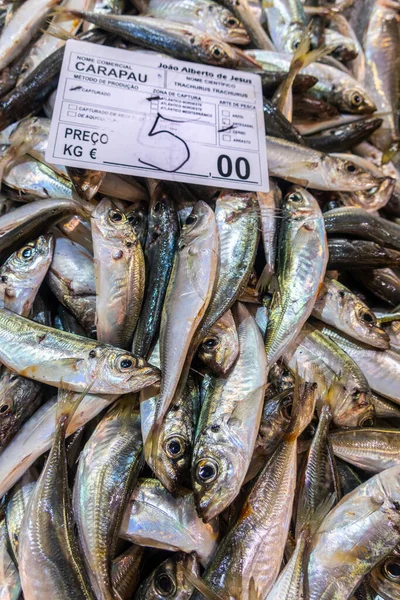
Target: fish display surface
(200, 386)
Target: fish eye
(27, 252)
(191, 219)
(350, 168)
(206, 471)
(4, 409)
(175, 447)
(295, 44)
(125, 363)
(356, 99)
(342, 294)
(294, 197)
(391, 569)
(210, 343)
(367, 317)
(217, 52)
(367, 422)
(231, 22)
(164, 584)
(115, 216)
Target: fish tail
(304, 399)
(67, 403)
(265, 279)
(59, 33)
(201, 586)
(310, 520)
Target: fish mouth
(381, 339)
(146, 375)
(237, 36)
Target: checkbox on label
(72, 107)
(226, 138)
(70, 113)
(226, 122)
(225, 113)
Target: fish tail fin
(265, 279)
(304, 399)
(201, 586)
(310, 520)
(59, 33)
(67, 403)
(61, 10)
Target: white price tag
(139, 113)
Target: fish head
(351, 407)
(31, 261)
(220, 348)
(218, 468)
(121, 370)
(292, 37)
(342, 171)
(168, 580)
(230, 28)
(299, 204)
(377, 196)
(358, 317)
(162, 213)
(354, 100)
(138, 218)
(197, 224)
(275, 418)
(111, 223)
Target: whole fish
(306, 166)
(170, 579)
(36, 435)
(160, 249)
(318, 359)
(336, 305)
(188, 294)
(175, 39)
(48, 543)
(239, 569)
(301, 263)
(22, 274)
(204, 15)
(64, 359)
(219, 349)
(119, 274)
(237, 221)
(108, 469)
(358, 533)
(228, 423)
(71, 279)
(371, 449)
(158, 519)
(10, 586)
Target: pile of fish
(200, 388)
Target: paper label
(144, 114)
